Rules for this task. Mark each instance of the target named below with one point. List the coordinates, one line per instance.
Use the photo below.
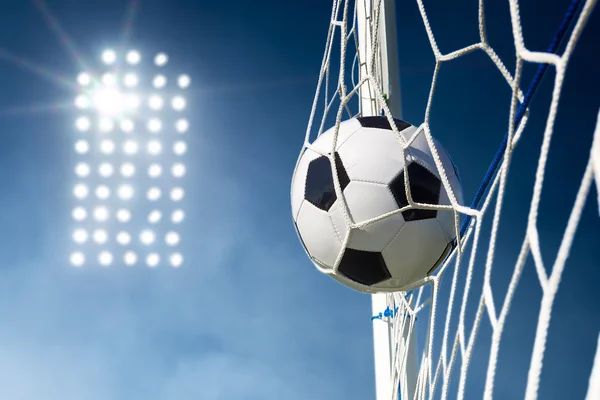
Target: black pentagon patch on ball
(320, 189)
(424, 188)
(382, 123)
(365, 267)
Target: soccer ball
(395, 252)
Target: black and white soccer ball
(393, 253)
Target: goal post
(378, 58)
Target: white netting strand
(361, 67)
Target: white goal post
(385, 60)
(401, 371)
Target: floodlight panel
(129, 168)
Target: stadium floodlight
(182, 125)
(184, 81)
(154, 217)
(133, 57)
(82, 102)
(84, 79)
(130, 258)
(178, 103)
(123, 215)
(179, 147)
(105, 170)
(109, 56)
(130, 80)
(176, 259)
(129, 162)
(152, 259)
(77, 259)
(79, 214)
(161, 59)
(154, 125)
(159, 81)
(177, 216)
(154, 170)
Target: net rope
(404, 307)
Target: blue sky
(249, 317)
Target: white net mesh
(447, 329)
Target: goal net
(456, 334)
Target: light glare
(182, 125)
(172, 238)
(154, 194)
(106, 125)
(127, 170)
(101, 214)
(178, 170)
(133, 57)
(125, 192)
(154, 147)
(154, 125)
(82, 147)
(161, 59)
(79, 214)
(109, 56)
(84, 79)
(109, 79)
(178, 103)
(152, 260)
(107, 146)
(155, 102)
(154, 217)
(132, 101)
(179, 148)
(82, 102)
(77, 259)
(83, 124)
(82, 170)
(123, 238)
(176, 259)
(108, 101)
(81, 191)
(102, 192)
(127, 126)
(105, 170)
(105, 258)
(159, 81)
(100, 236)
(130, 80)
(154, 170)
(147, 237)
(177, 216)
(184, 81)
(130, 258)
(123, 215)
(80, 236)
(177, 194)
(130, 147)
